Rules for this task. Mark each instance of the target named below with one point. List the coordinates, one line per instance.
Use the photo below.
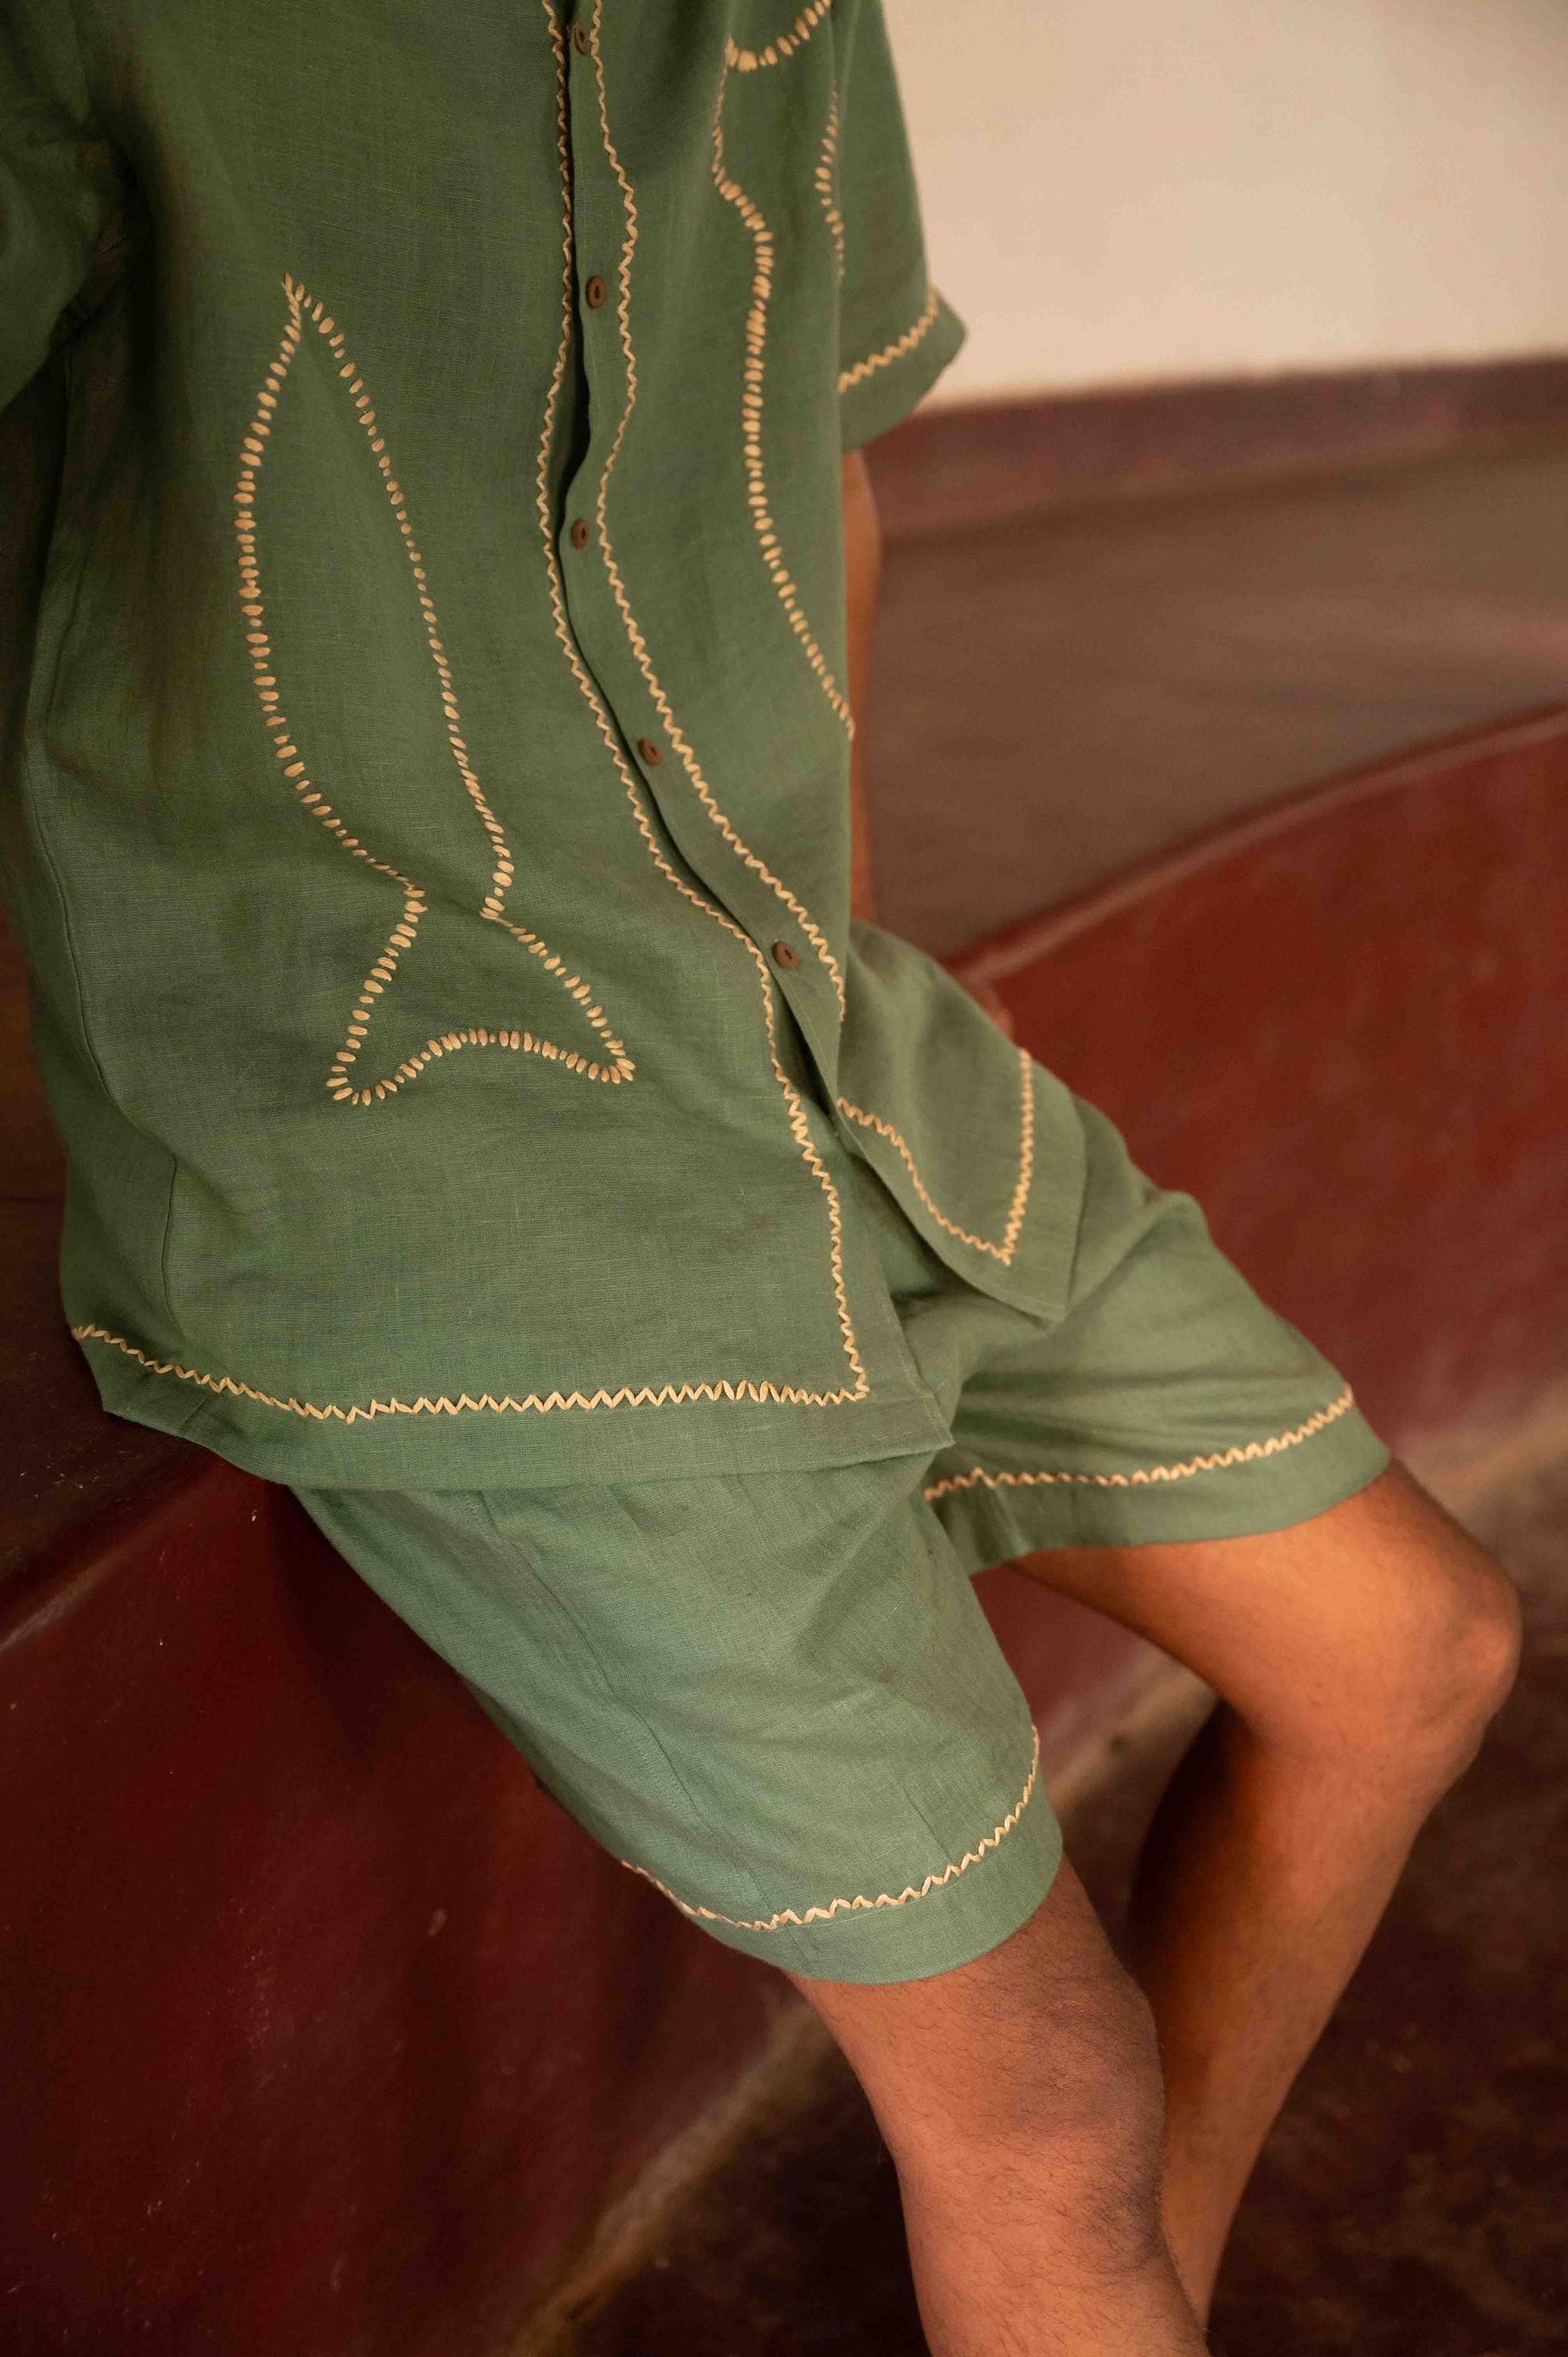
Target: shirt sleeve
(896, 332)
(61, 206)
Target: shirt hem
(456, 1448)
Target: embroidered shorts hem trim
(952, 1924)
(995, 1520)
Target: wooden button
(580, 39)
(650, 752)
(595, 290)
(578, 534)
(784, 955)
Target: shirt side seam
(43, 677)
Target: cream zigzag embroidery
(743, 851)
(617, 1065)
(1005, 1250)
(1223, 1458)
(740, 1390)
(834, 1907)
(827, 193)
(625, 1396)
(800, 33)
(795, 1110)
(751, 404)
(747, 60)
(894, 351)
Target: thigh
(1378, 1613)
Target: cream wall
(1125, 190)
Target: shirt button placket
(595, 291)
(595, 295)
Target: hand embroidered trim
(743, 851)
(751, 401)
(904, 1898)
(1005, 1250)
(826, 181)
(617, 1065)
(1223, 1458)
(794, 1110)
(741, 1391)
(894, 351)
(800, 33)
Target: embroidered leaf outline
(345, 1080)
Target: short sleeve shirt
(429, 823)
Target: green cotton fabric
(429, 830)
(1168, 1402)
(777, 1694)
(774, 1695)
(430, 811)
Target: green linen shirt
(429, 824)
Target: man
(432, 838)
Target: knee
(1472, 1662)
(1425, 1681)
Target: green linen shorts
(776, 1695)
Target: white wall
(1127, 191)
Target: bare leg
(1020, 2098)
(1358, 1658)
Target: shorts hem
(952, 1921)
(993, 1525)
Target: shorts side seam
(611, 1685)
(1247, 1453)
(839, 1907)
